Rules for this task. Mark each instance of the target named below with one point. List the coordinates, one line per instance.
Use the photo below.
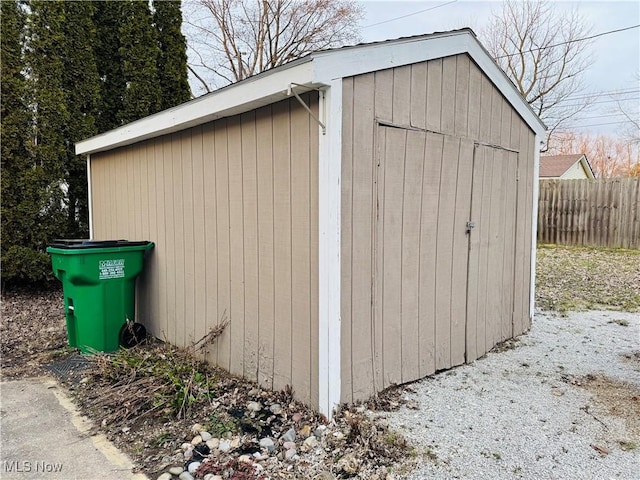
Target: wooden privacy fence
(596, 213)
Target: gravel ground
(537, 411)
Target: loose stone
(188, 454)
(196, 440)
(276, 409)
(254, 406)
(196, 428)
(289, 445)
(205, 436)
(268, 444)
(244, 458)
(310, 443)
(224, 446)
(305, 431)
(165, 476)
(213, 443)
(193, 466)
(289, 454)
(289, 436)
(176, 471)
(185, 476)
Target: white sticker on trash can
(111, 268)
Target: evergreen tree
(172, 61)
(81, 85)
(33, 208)
(139, 55)
(109, 64)
(14, 127)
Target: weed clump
(155, 378)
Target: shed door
(423, 255)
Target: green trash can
(98, 282)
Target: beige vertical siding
(426, 148)
(233, 209)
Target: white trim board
(537, 142)
(89, 197)
(315, 71)
(329, 293)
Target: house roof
(315, 71)
(554, 166)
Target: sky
(614, 72)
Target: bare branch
(200, 79)
(246, 37)
(540, 49)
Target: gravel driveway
(563, 404)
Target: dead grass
(619, 399)
(32, 332)
(574, 278)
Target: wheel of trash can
(132, 334)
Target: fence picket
(602, 212)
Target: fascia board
(586, 167)
(238, 98)
(506, 87)
(369, 58)
(348, 62)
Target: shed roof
(554, 166)
(314, 71)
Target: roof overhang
(314, 71)
(584, 161)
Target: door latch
(470, 226)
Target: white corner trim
(534, 223)
(89, 196)
(329, 198)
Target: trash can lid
(74, 243)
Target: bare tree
(541, 49)
(609, 155)
(629, 110)
(233, 39)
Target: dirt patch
(572, 278)
(32, 332)
(632, 358)
(619, 399)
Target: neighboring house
(565, 167)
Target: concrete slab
(44, 437)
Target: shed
(363, 216)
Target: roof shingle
(556, 165)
